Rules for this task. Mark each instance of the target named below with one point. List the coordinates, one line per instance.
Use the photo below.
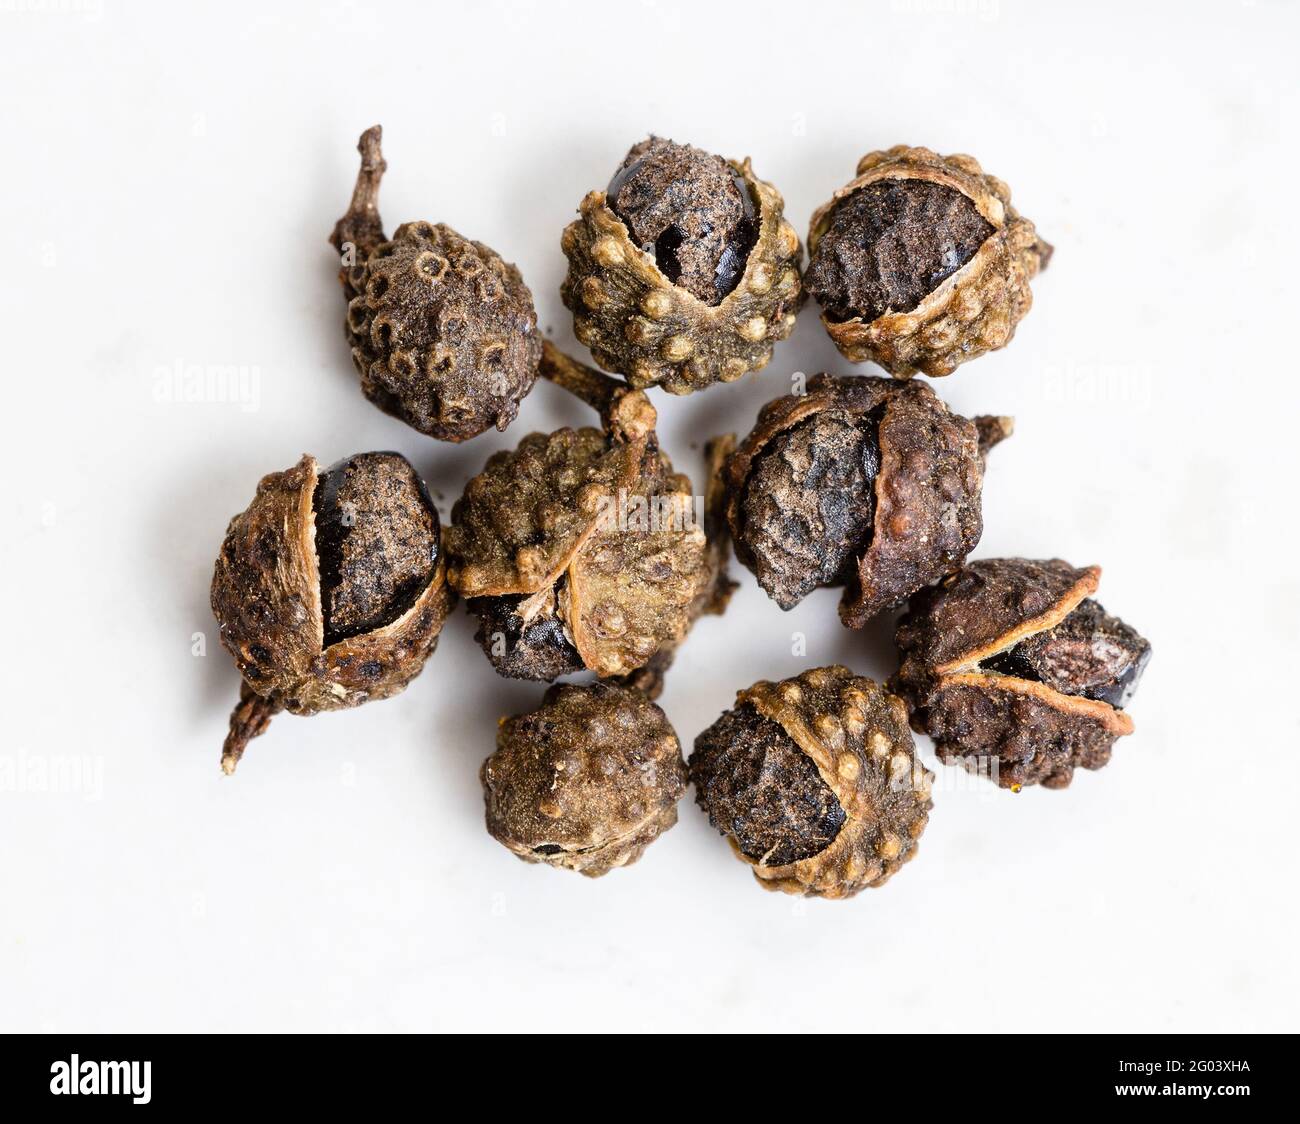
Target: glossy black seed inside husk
(739, 244)
(1090, 654)
(762, 790)
(376, 542)
(809, 506)
(691, 211)
(538, 649)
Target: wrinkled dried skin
(266, 584)
(266, 595)
(443, 331)
(630, 591)
(599, 528)
(522, 518)
(924, 498)
(974, 309)
(889, 244)
(1027, 739)
(654, 333)
(586, 781)
(857, 737)
(1022, 730)
(928, 510)
(713, 598)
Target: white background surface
(171, 175)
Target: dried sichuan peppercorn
(815, 782)
(713, 599)
(866, 483)
(683, 272)
(921, 263)
(1011, 667)
(443, 331)
(582, 549)
(330, 590)
(586, 781)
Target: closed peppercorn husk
(443, 331)
(267, 598)
(639, 324)
(1022, 730)
(849, 822)
(972, 310)
(588, 531)
(586, 781)
(715, 595)
(919, 514)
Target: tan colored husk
(973, 311)
(554, 508)
(858, 737)
(272, 623)
(639, 324)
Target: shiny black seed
(1090, 654)
(537, 649)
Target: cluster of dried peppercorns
(582, 550)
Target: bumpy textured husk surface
(266, 597)
(639, 324)
(927, 491)
(973, 311)
(1034, 734)
(858, 737)
(715, 594)
(586, 781)
(443, 332)
(566, 504)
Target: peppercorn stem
(992, 429)
(593, 387)
(626, 412)
(249, 719)
(361, 226)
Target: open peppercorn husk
(921, 263)
(683, 272)
(330, 590)
(586, 781)
(582, 549)
(815, 783)
(443, 331)
(866, 483)
(1012, 668)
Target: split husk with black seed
(1014, 671)
(815, 783)
(330, 590)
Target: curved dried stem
(362, 227)
(626, 413)
(594, 387)
(249, 719)
(993, 429)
